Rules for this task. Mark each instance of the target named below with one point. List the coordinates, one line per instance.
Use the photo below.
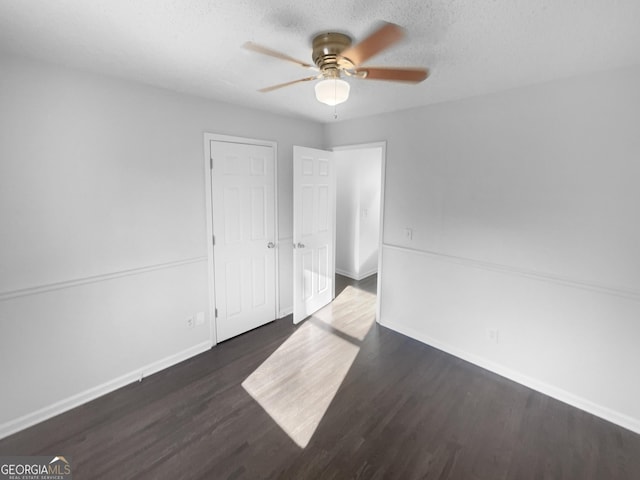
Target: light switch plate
(408, 234)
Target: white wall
(523, 206)
(359, 174)
(524, 210)
(370, 174)
(347, 225)
(103, 243)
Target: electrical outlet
(190, 322)
(493, 335)
(200, 318)
(408, 234)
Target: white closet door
(243, 197)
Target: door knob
(271, 245)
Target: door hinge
(210, 163)
(213, 240)
(216, 313)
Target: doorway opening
(319, 209)
(359, 214)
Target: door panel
(243, 197)
(313, 230)
(323, 269)
(259, 280)
(233, 287)
(258, 214)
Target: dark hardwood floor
(336, 397)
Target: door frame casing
(383, 168)
(208, 138)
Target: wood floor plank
(402, 411)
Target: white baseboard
(355, 276)
(81, 398)
(284, 312)
(612, 416)
(344, 273)
(368, 274)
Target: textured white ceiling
(194, 46)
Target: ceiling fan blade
(281, 85)
(254, 47)
(384, 37)
(411, 75)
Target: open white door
(314, 190)
(243, 206)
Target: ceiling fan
(334, 56)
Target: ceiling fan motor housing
(326, 50)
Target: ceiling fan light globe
(332, 91)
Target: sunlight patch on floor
(297, 383)
(346, 312)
